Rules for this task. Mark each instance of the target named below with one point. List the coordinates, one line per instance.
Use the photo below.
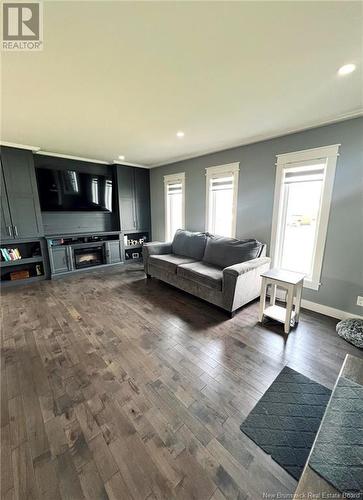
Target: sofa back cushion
(224, 252)
(189, 244)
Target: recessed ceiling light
(121, 157)
(180, 134)
(346, 69)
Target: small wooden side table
(293, 284)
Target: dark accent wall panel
(78, 222)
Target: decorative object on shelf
(293, 284)
(19, 275)
(351, 330)
(133, 243)
(135, 239)
(57, 242)
(38, 270)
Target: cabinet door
(5, 220)
(59, 260)
(142, 198)
(113, 252)
(21, 186)
(126, 193)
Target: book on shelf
(4, 256)
(12, 254)
(8, 254)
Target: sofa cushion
(189, 244)
(202, 273)
(224, 252)
(169, 262)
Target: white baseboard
(320, 308)
(328, 311)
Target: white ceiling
(123, 77)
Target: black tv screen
(72, 190)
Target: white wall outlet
(360, 300)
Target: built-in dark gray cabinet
(126, 193)
(20, 209)
(142, 198)
(59, 260)
(134, 198)
(6, 227)
(63, 258)
(113, 252)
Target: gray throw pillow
(189, 244)
(224, 252)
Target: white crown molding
(19, 146)
(266, 137)
(128, 164)
(70, 157)
(38, 151)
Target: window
(222, 187)
(174, 204)
(304, 185)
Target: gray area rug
(338, 452)
(286, 419)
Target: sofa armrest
(154, 248)
(242, 282)
(245, 267)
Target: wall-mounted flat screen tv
(70, 190)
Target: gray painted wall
(342, 273)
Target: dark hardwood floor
(114, 386)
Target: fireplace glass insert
(88, 256)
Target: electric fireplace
(88, 256)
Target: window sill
(312, 285)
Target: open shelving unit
(32, 262)
(133, 249)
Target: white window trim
(172, 178)
(229, 168)
(329, 154)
